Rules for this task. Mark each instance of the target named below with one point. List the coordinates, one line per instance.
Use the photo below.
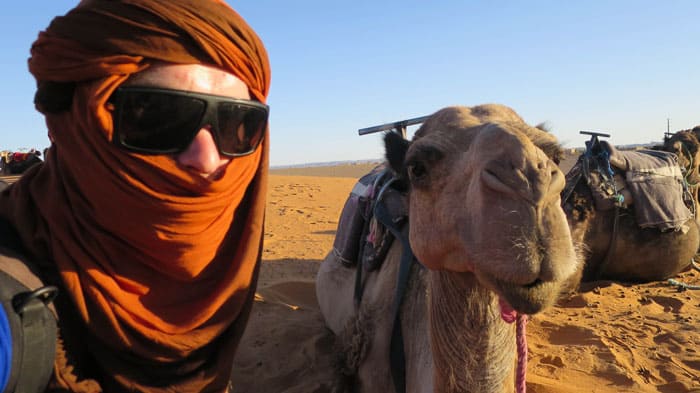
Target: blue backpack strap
(5, 349)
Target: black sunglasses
(163, 121)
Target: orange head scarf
(157, 262)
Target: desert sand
(611, 337)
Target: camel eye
(419, 160)
(417, 172)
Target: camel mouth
(529, 298)
(534, 284)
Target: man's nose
(202, 155)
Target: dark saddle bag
(361, 238)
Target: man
(147, 215)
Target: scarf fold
(158, 264)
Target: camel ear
(544, 127)
(550, 146)
(554, 151)
(396, 147)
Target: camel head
(686, 146)
(484, 199)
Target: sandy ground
(610, 338)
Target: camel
(686, 146)
(486, 226)
(17, 163)
(615, 246)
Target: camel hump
(360, 238)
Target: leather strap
(397, 354)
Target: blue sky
(622, 67)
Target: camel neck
(473, 348)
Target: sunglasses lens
(161, 121)
(241, 128)
(158, 122)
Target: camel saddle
(361, 238)
(648, 181)
(374, 215)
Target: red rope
(521, 343)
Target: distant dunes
(354, 169)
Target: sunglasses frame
(209, 117)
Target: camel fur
(486, 225)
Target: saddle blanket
(656, 183)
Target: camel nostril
(494, 182)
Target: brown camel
(615, 246)
(486, 225)
(17, 163)
(686, 145)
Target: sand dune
(610, 338)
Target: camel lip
(526, 299)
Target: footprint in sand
(553, 361)
(670, 304)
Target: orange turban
(157, 266)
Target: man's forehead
(194, 77)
